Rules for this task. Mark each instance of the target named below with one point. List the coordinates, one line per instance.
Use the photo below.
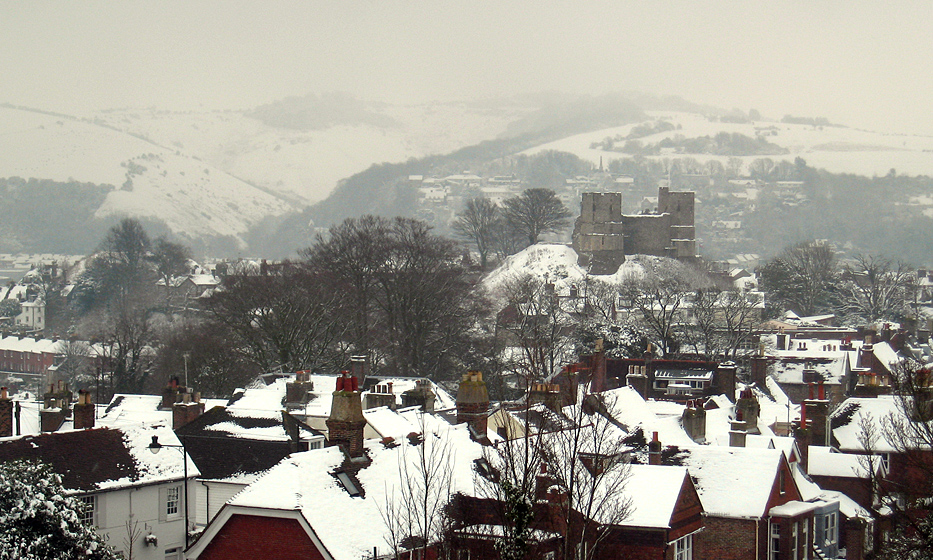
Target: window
(172, 501)
(795, 543)
(348, 484)
(781, 484)
(774, 543)
(829, 529)
(170, 506)
(885, 461)
(683, 548)
(806, 539)
(88, 515)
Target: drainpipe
(757, 533)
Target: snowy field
(836, 149)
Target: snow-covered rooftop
(733, 481)
(847, 420)
(305, 482)
(653, 490)
(271, 398)
(826, 461)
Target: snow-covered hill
(192, 197)
(557, 263)
(836, 149)
(305, 165)
(216, 173)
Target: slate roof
(84, 458)
(102, 458)
(226, 443)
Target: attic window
(485, 469)
(348, 484)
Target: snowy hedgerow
(38, 521)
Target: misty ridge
(264, 181)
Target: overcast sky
(865, 64)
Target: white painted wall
(211, 496)
(141, 506)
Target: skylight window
(348, 484)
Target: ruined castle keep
(602, 235)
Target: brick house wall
(728, 539)
(856, 488)
(252, 537)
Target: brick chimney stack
(51, 417)
(381, 394)
(346, 422)
(817, 409)
(170, 394)
(694, 421)
(725, 379)
(296, 392)
(421, 395)
(84, 411)
(759, 370)
(737, 433)
(473, 403)
(636, 379)
(6, 413)
(654, 450)
(547, 393)
(187, 410)
(747, 406)
(358, 367)
(649, 370)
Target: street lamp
(155, 447)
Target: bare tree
(209, 352)
(722, 321)
(907, 490)
(284, 319)
(741, 315)
(75, 365)
(539, 323)
(661, 296)
(582, 465)
(349, 257)
(874, 288)
(588, 464)
(425, 300)
(535, 212)
(170, 260)
(801, 278)
(477, 222)
(414, 511)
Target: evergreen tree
(39, 522)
